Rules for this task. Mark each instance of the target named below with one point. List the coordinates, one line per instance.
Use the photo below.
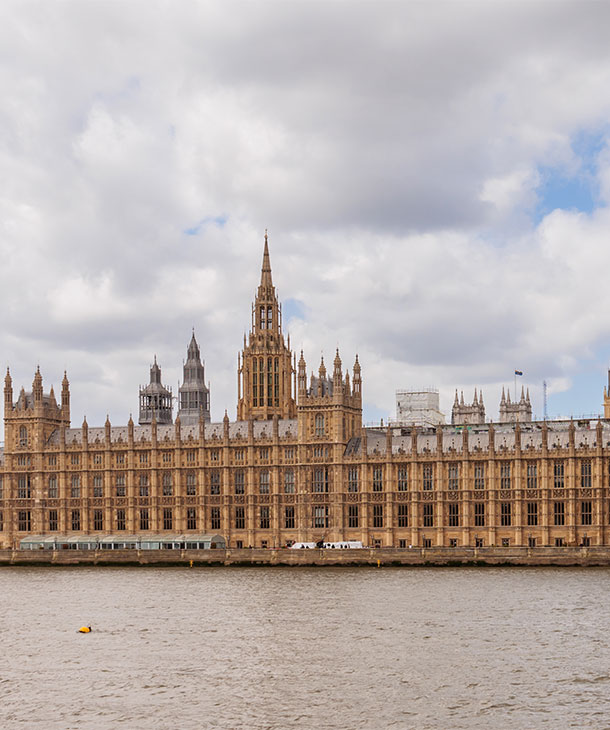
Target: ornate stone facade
(298, 465)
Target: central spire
(266, 280)
(265, 371)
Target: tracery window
(319, 425)
(532, 475)
(453, 476)
(320, 479)
(377, 515)
(289, 481)
(167, 484)
(403, 515)
(320, 516)
(505, 475)
(532, 514)
(403, 479)
(454, 514)
(377, 478)
(585, 473)
(559, 513)
(428, 477)
(352, 516)
(479, 476)
(479, 514)
(265, 519)
(239, 482)
(215, 482)
(558, 475)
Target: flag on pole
(518, 372)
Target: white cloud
(392, 151)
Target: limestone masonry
(298, 465)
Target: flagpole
(515, 386)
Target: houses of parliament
(298, 464)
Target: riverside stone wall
(592, 556)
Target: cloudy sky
(435, 178)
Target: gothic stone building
(298, 465)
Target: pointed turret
(8, 392)
(194, 395)
(155, 372)
(37, 387)
(322, 369)
(337, 373)
(302, 376)
(357, 378)
(65, 399)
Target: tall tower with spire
(265, 370)
(155, 399)
(194, 394)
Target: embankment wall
(592, 556)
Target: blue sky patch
(219, 220)
(572, 192)
(293, 309)
(586, 393)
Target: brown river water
(319, 648)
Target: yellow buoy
(84, 630)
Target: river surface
(323, 648)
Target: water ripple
(309, 648)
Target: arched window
(23, 436)
(269, 381)
(319, 425)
